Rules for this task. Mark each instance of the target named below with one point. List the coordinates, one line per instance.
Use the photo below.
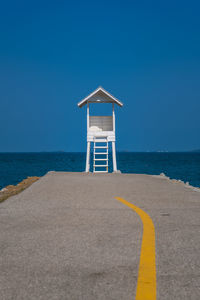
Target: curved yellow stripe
(146, 285)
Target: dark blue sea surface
(14, 167)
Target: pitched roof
(100, 96)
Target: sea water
(14, 167)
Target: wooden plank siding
(104, 123)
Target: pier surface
(68, 237)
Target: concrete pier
(68, 237)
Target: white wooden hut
(100, 131)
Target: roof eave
(85, 100)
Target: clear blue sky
(54, 53)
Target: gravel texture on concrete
(67, 237)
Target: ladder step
(100, 171)
(100, 147)
(100, 153)
(102, 159)
(101, 166)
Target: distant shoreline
(121, 151)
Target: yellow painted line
(146, 284)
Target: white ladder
(104, 148)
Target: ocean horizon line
(119, 151)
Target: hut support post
(113, 115)
(114, 157)
(87, 167)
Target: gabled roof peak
(100, 95)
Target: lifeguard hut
(100, 131)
